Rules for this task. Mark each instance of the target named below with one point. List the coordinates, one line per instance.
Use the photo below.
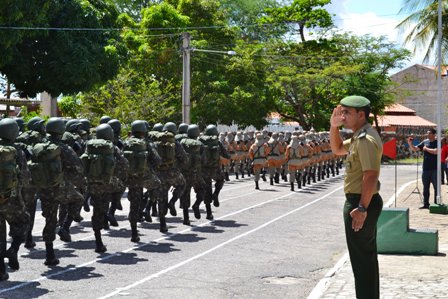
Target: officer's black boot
(215, 199)
(242, 172)
(3, 274)
(319, 173)
(314, 175)
(111, 214)
(256, 186)
(304, 179)
(119, 206)
(308, 175)
(227, 176)
(271, 181)
(208, 208)
(337, 170)
(172, 207)
(263, 175)
(64, 230)
(134, 233)
(186, 217)
(332, 169)
(292, 186)
(11, 253)
(51, 259)
(328, 171)
(99, 246)
(277, 178)
(236, 175)
(147, 213)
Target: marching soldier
(258, 153)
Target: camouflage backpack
(166, 148)
(9, 170)
(211, 151)
(99, 161)
(46, 165)
(193, 148)
(136, 153)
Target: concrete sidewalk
(404, 276)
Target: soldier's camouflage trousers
(198, 184)
(209, 175)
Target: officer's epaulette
(363, 134)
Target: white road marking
(173, 267)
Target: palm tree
(422, 22)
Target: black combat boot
(51, 259)
(208, 208)
(337, 170)
(172, 207)
(134, 237)
(11, 253)
(277, 178)
(195, 208)
(163, 226)
(314, 175)
(319, 173)
(227, 176)
(147, 213)
(186, 217)
(299, 184)
(111, 215)
(263, 175)
(85, 204)
(29, 243)
(106, 222)
(3, 274)
(215, 199)
(236, 175)
(64, 230)
(256, 186)
(271, 181)
(248, 171)
(154, 212)
(99, 246)
(304, 179)
(292, 186)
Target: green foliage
(26, 116)
(62, 61)
(70, 106)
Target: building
(12, 106)
(419, 83)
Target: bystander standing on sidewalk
(363, 203)
(444, 157)
(429, 174)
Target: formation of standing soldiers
(68, 166)
(297, 157)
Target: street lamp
(186, 49)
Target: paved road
(261, 244)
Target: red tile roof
(404, 120)
(398, 108)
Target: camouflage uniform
(170, 175)
(13, 211)
(211, 171)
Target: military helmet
(158, 127)
(105, 131)
(115, 125)
(193, 131)
(183, 128)
(9, 129)
(104, 119)
(211, 130)
(85, 124)
(55, 125)
(138, 126)
(21, 123)
(170, 127)
(72, 125)
(35, 123)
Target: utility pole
(186, 104)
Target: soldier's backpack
(136, 153)
(46, 165)
(193, 148)
(99, 161)
(9, 170)
(211, 151)
(166, 148)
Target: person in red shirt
(444, 160)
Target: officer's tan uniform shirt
(364, 149)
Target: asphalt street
(262, 244)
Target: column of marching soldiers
(70, 166)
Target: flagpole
(439, 101)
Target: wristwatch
(362, 209)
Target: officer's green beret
(355, 101)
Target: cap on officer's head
(355, 102)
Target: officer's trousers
(362, 246)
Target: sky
(374, 17)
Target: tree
(422, 20)
(300, 15)
(69, 58)
(70, 106)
